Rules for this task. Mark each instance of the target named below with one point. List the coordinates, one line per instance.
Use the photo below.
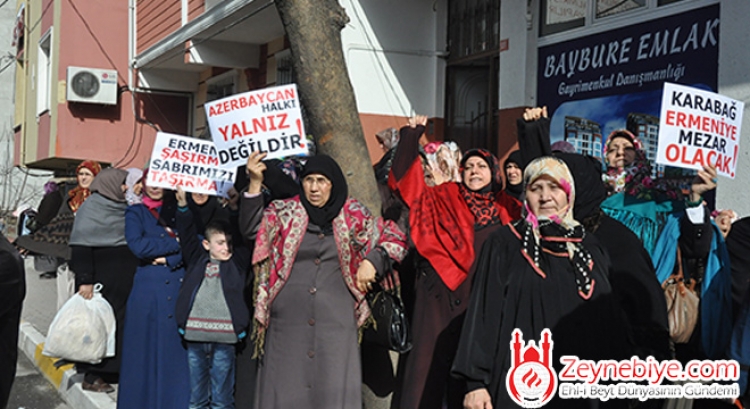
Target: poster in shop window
(266, 120)
(599, 83)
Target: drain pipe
(131, 43)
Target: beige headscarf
(558, 235)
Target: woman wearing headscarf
(85, 174)
(154, 371)
(448, 224)
(631, 272)
(513, 168)
(100, 254)
(540, 272)
(679, 236)
(644, 203)
(279, 182)
(654, 211)
(50, 240)
(635, 198)
(134, 185)
(315, 257)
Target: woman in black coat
(541, 272)
(100, 254)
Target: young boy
(211, 312)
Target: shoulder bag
(389, 328)
(682, 304)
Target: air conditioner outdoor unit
(92, 85)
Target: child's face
(217, 247)
(199, 198)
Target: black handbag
(390, 328)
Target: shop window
(606, 8)
(562, 15)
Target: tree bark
(314, 31)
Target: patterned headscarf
(615, 178)
(560, 235)
(483, 203)
(444, 159)
(636, 179)
(389, 137)
(78, 194)
(621, 133)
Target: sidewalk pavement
(39, 309)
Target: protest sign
(699, 128)
(267, 120)
(188, 162)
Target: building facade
(470, 65)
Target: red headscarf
(483, 203)
(442, 221)
(77, 195)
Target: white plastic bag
(66, 284)
(83, 330)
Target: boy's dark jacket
(232, 272)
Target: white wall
(734, 65)
(515, 67)
(393, 50)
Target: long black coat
(12, 293)
(508, 294)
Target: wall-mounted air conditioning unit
(92, 85)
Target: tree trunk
(314, 31)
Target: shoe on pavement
(98, 386)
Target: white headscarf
(134, 175)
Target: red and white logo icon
(531, 381)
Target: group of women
(564, 246)
(554, 248)
(116, 231)
(591, 268)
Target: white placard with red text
(188, 162)
(699, 128)
(267, 120)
